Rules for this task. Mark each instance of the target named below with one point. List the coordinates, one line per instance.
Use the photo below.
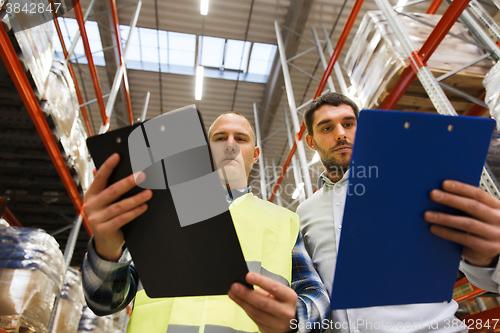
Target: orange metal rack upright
(7, 214)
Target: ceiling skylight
(262, 58)
(212, 51)
(176, 52)
(181, 49)
(235, 49)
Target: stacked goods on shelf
(27, 175)
(54, 88)
(475, 305)
(60, 105)
(90, 323)
(492, 85)
(376, 60)
(34, 46)
(31, 270)
(69, 309)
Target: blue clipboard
(387, 254)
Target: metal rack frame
(418, 68)
(15, 69)
(301, 129)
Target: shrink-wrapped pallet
(60, 104)
(69, 309)
(76, 148)
(492, 84)
(4, 223)
(34, 44)
(376, 59)
(31, 269)
(60, 101)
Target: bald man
(291, 296)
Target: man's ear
(310, 142)
(256, 153)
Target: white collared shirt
(321, 224)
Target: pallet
(416, 98)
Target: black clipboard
(174, 260)
(387, 254)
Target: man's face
(334, 129)
(232, 143)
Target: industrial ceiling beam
(296, 19)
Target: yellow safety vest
(267, 234)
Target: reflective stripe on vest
(267, 234)
(208, 329)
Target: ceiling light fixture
(204, 7)
(200, 71)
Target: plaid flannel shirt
(110, 286)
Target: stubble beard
(335, 167)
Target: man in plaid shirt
(111, 282)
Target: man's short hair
(331, 98)
(236, 113)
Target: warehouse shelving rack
(25, 91)
(417, 60)
(418, 68)
(300, 129)
(14, 67)
(302, 179)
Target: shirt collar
(323, 179)
(236, 193)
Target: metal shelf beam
(93, 72)
(419, 59)
(116, 26)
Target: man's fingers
(473, 207)
(113, 192)
(470, 191)
(124, 206)
(464, 223)
(119, 221)
(265, 321)
(477, 251)
(263, 293)
(271, 305)
(276, 289)
(101, 176)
